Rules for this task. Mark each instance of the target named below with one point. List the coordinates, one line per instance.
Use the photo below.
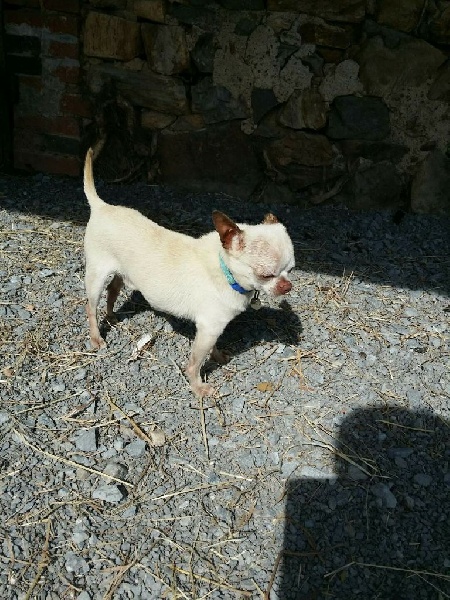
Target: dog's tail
(89, 186)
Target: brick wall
(42, 57)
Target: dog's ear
(270, 218)
(226, 228)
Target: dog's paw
(203, 389)
(112, 319)
(222, 357)
(97, 343)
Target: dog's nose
(284, 286)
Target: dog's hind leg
(113, 290)
(95, 280)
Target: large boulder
(401, 14)
(153, 10)
(375, 187)
(216, 103)
(142, 88)
(305, 109)
(352, 117)
(219, 158)
(298, 147)
(108, 36)
(430, 189)
(351, 11)
(165, 48)
(440, 88)
(389, 71)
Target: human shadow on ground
(245, 331)
(394, 248)
(381, 528)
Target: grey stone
(246, 26)
(300, 148)
(238, 404)
(378, 186)
(382, 491)
(401, 462)
(263, 100)
(373, 151)
(440, 88)
(288, 467)
(86, 441)
(115, 469)
(203, 53)
(153, 11)
(332, 503)
(362, 118)
(399, 452)
(389, 71)
(109, 36)
(204, 18)
(351, 11)
(274, 457)
(144, 88)
(58, 387)
(46, 273)
(79, 375)
(152, 119)
(136, 448)
(191, 160)
(243, 4)
(216, 103)
(274, 193)
(23, 314)
(46, 421)
(4, 417)
(402, 14)
(319, 32)
(414, 398)
(129, 512)
(355, 473)
(109, 453)
(423, 479)
(305, 109)
(439, 26)
(315, 473)
(82, 460)
(76, 564)
(79, 537)
(430, 189)
(166, 48)
(409, 502)
(108, 493)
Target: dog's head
(260, 256)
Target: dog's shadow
(248, 329)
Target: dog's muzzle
(283, 286)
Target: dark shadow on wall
(401, 250)
(381, 531)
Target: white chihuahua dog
(208, 280)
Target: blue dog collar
(231, 280)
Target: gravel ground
(320, 470)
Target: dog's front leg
(204, 341)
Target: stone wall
(44, 84)
(299, 101)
